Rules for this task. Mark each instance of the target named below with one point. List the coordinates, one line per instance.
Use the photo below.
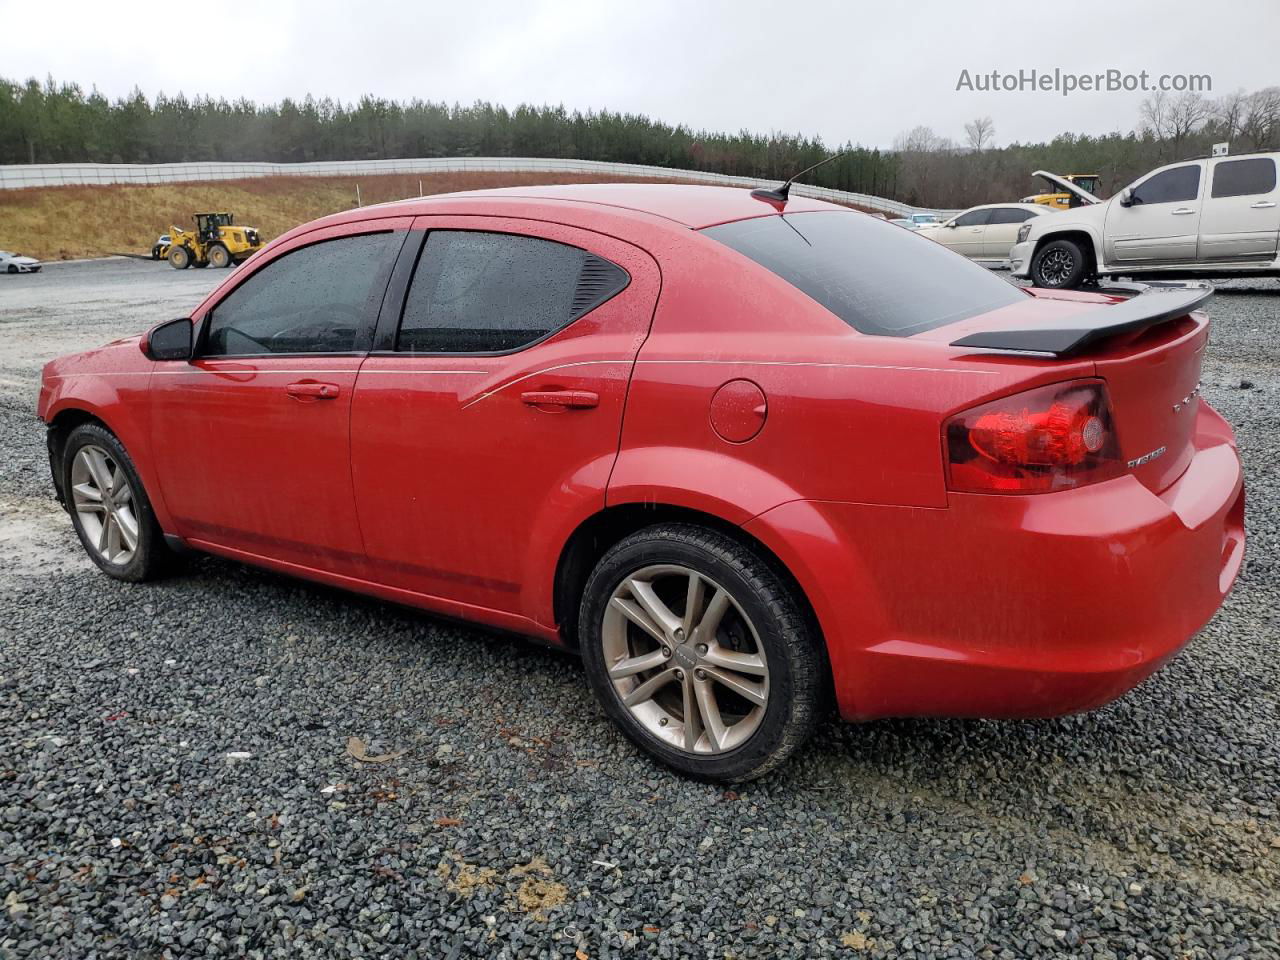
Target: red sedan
(748, 455)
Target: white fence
(17, 176)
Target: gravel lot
(174, 777)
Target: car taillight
(1049, 438)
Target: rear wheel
(700, 653)
(109, 509)
(179, 258)
(219, 257)
(1059, 264)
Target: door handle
(580, 399)
(310, 390)
(1183, 211)
(1262, 205)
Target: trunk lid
(1154, 385)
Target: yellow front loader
(216, 241)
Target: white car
(1214, 217)
(985, 233)
(15, 263)
(903, 222)
(919, 220)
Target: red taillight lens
(1050, 438)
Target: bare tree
(919, 140)
(1187, 114)
(1260, 120)
(1228, 111)
(980, 132)
(1154, 114)
(1174, 119)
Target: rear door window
(1010, 215)
(481, 292)
(878, 278)
(1244, 178)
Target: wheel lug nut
(700, 674)
(702, 649)
(679, 674)
(666, 651)
(679, 633)
(662, 721)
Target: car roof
(691, 205)
(1035, 207)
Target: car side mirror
(170, 340)
(1126, 197)
(950, 224)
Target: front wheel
(179, 258)
(1059, 265)
(109, 509)
(219, 258)
(700, 653)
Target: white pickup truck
(1213, 218)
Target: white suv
(1213, 217)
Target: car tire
(12, 268)
(179, 258)
(1059, 265)
(219, 257)
(762, 625)
(122, 536)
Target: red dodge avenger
(751, 456)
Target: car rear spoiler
(1149, 305)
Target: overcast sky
(847, 71)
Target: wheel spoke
(104, 537)
(710, 622)
(123, 495)
(710, 710)
(88, 491)
(639, 618)
(661, 614)
(128, 525)
(751, 692)
(632, 665)
(91, 507)
(692, 715)
(99, 470)
(646, 690)
(693, 603)
(748, 663)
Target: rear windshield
(873, 275)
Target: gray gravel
(174, 779)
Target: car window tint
(1010, 215)
(876, 277)
(480, 292)
(1170, 186)
(974, 218)
(1243, 178)
(311, 300)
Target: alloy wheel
(1056, 267)
(685, 659)
(104, 503)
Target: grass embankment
(64, 223)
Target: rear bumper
(1017, 606)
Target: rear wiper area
(1149, 305)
